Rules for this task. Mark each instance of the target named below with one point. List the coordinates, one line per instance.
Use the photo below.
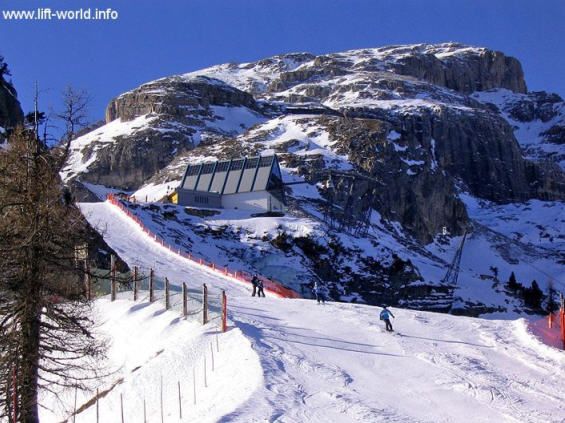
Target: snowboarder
(260, 292)
(385, 315)
(320, 293)
(254, 283)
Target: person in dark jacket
(260, 292)
(385, 315)
(254, 283)
(320, 293)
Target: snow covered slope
(335, 362)
(148, 344)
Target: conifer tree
(512, 283)
(45, 327)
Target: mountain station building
(250, 183)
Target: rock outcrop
(462, 69)
(177, 114)
(10, 109)
(174, 97)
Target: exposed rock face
(177, 114)
(538, 120)
(537, 105)
(465, 72)
(134, 159)
(10, 110)
(173, 97)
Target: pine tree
(551, 304)
(533, 295)
(45, 328)
(512, 284)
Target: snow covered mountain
(449, 132)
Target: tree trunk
(29, 360)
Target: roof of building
(246, 174)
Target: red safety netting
(551, 329)
(271, 286)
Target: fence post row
(113, 276)
(204, 304)
(151, 282)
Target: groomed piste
(291, 360)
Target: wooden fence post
(162, 411)
(167, 299)
(113, 276)
(122, 406)
(144, 410)
(151, 282)
(205, 376)
(204, 304)
(87, 282)
(184, 300)
(15, 394)
(562, 316)
(193, 384)
(224, 312)
(212, 352)
(135, 276)
(180, 402)
(75, 407)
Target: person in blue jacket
(260, 292)
(385, 315)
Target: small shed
(249, 183)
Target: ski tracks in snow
(335, 362)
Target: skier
(254, 283)
(385, 315)
(320, 293)
(260, 292)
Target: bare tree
(74, 116)
(46, 341)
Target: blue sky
(154, 39)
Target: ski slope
(335, 362)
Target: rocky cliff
(156, 122)
(10, 110)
